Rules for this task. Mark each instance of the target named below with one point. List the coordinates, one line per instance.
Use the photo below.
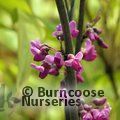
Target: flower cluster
(100, 110)
(73, 31)
(51, 64)
(93, 35)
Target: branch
(70, 80)
(66, 5)
(71, 10)
(79, 39)
(65, 26)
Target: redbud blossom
(73, 30)
(38, 50)
(89, 52)
(99, 101)
(74, 61)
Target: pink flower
(83, 112)
(87, 107)
(38, 68)
(38, 50)
(95, 113)
(99, 101)
(47, 67)
(91, 34)
(87, 116)
(101, 43)
(58, 33)
(74, 61)
(89, 52)
(49, 59)
(58, 60)
(54, 71)
(101, 114)
(43, 69)
(79, 77)
(73, 30)
(104, 114)
(50, 65)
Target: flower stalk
(71, 112)
(79, 39)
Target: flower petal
(79, 77)
(79, 56)
(59, 27)
(102, 44)
(76, 65)
(53, 71)
(72, 25)
(68, 62)
(34, 50)
(99, 101)
(35, 43)
(49, 59)
(39, 57)
(88, 44)
(74, 33)
(39, 68)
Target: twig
(71, 12)
(80, 26)
(66, 5)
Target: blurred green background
(25, 20)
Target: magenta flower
(49, 59)
(38, 50)
(47, 67)
(92, 35)
(79, 77)
(83, 112)
(95, 113)
(87, 107)
(89, 53)
(38, 68)
(101, 43)
(54, 71)
(99, 101)
(74, 61)
(101, 114)
(104, 114)
(50, 65)
(87, 116)
(43, 69)
(58, 33)
(58, 60)
(73, 30)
